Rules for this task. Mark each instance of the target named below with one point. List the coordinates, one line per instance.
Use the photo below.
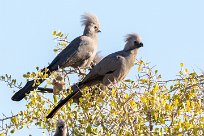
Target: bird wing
(71, 54)
(107, 65)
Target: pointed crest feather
(129, 37)
(89, 18)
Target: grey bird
(59, 84)
(78, 54)
(96, 59)
(111, 69)
(61, 129)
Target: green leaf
(12, 131)
(58, 34)
(55, 99)
(128, 80)
(54, 33)
(156, 71)
(55, 50)
(37, 68)
(88, 129)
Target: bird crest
(89, 18)
(133, 36)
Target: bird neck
(89, 33)
(132, 56)
(132, 49)
(61, 132)
(133, 52)
(129, 46)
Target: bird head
(61, 126)
(91, 23)
(133, 41)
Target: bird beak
(140, 45)
(99, 31)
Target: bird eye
(136, 42)
(95, 27)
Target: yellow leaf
(161, 120)
(202, 119)
(126, 96)
(133, 104)
(143, 99)
(176, 103)
(181, 64)
(128, 134)
(54, 33)
(188, 104)
(166, 129)
(14, 120)
(168, 107)
(141, 62)
(156, 87)
(113, 92)
(138, 69)
(112, 103)
(144, 81)
(192, 104)
(2, 134)
(179, 112)
(156, 116)
(186, 70)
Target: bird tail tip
(15, 98)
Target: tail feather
(27, 89)
(75, 89)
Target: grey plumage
(61, 129)
(113, 68)
(96, 59)
(78, 54)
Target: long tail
(75, 89)
(30, 86)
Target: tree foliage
(144, 105)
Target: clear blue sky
(172, 32)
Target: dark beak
(99, 31)
(140, 45)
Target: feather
(88, 18)
(130, 39)
(132, 36)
